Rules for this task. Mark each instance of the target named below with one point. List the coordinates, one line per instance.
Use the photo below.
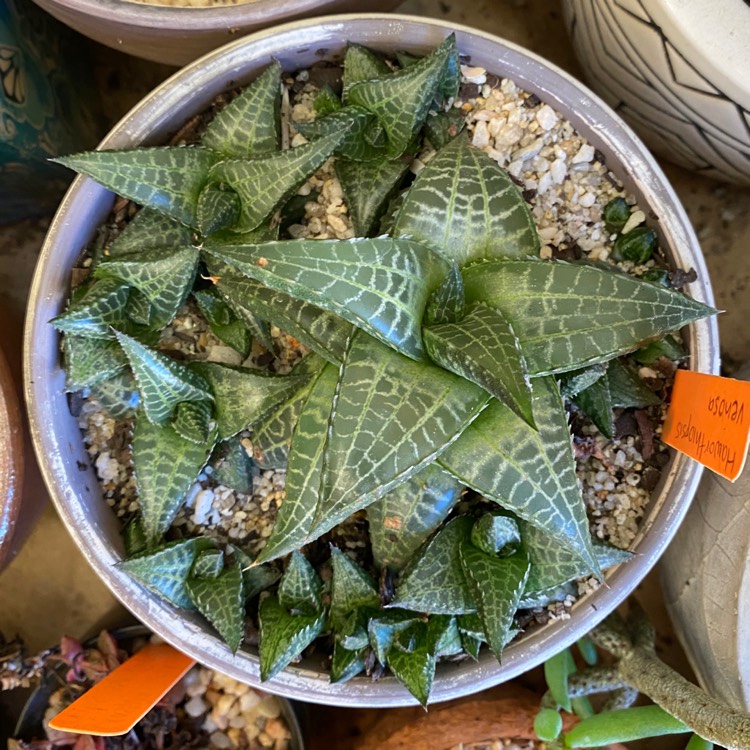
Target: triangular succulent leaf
(596, 403)
(569, 315)
(383, 630)
(442, 127)
(216, 209)
(446, 305)
(444, 635)
(134, 538)
(301, 589)
(345, 663)
(193, 421)
(493, 532)
(352, 588)
(358, 124)
(149, 230)
(575, 381)
(232, 466)
(626, 389)
(98, 309)
(223, 322)
(208, 564)
(255, 578)
(401, 521)
(326, 101)
(89, 361)
(414, 668)
(118, 395)
(360, 64)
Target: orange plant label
(119, 701)
(709, 420)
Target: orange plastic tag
(119, 701)
(709, 420)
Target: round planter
(58, 441)
(177, 36)
(676, 70)
(705, 577)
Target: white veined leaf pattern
(96, 310)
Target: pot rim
(636, 168)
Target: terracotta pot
(57, 436)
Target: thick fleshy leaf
(527, 471)
(222, 320)
(317, 329)
(134, 538)
(242, 395)
(444, 635)
(283, 637)
(368, 186)
(208, 564)
(493, 532)
(168, 179)
(255, 578)
(217, 209)
(497, 584)
(352, 588)
(165, 465)
(393, 416)
(464, 206)
(436, 582)
(483, 348)
(249, 125)
(385, 628)
(346, 663)
(89, 361)
(149, 230)
(360, 64)
(118, 395)
(94, 314)
(380, 285)
(193, 421)
(415, 668)
(162, 381)
(401, 521)
(553, 565)
(221, 601)
(326, 101)
(402, 99)
(575, 381)
(165, 570)
(232, 467)
(442, 127)
(301, 589)
(163, 275)
(626, 389)
(568, 315)
(446, 305)
(265, 182)
(303, 476)
(667, 347)
(596, 404)
(139, 310)
(358, 123)
(536, 599)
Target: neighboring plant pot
(706, 582)
(178, 35)
(57, 435)
(677, 72)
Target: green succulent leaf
(557, 669)
(465, 207)
(626, 389)
(232, 467)
(493, 532)
(358, 124)
(352, 589)
(415, 668)
(384, 629)
(360, 64)
(94, 314)
(283, 636)
(444, 635)
(223, 322)
(380, 285)
(162, 381)
(326, 101)
(497, 584)
(165, 465)
(167, 179)
(446, 305)
(443, 127)
(401, 521)
(165, 570)
(221, 600)
(217, 209)
(89, 361)
(134, 538)
(483, 348)
(553, 565)
(303, 476)
(208, 564)
(595, 402)
(667, 347)
(118, 395)
(346, 663)
(524, 470)
(393, 416)
(193, 421)
(436, 582)
(402, 99)
(301, 589)
(537, 599)
(250, 124)
(263, 183)
(255, 578)
(569, 315)
(471, 625)
(321, 331)
(140, 311)
(471, 645)
(575, 381)
(149, 230)
(368, 186)
(243, 396)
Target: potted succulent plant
(402, 402)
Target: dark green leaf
(250, 124)
(436, 582)
(497, 584)
(556, 672)
(575, 381)
(165, 465)
(482, 347)
(380, 285)
(326, 101)
(626, 389)
(301, 589)
(168, 180)
(415, 668)
(89, 361)
(208, 564)
(149, 230)
(464, 206)
(568, 315)
(283, 637)
(255, 578)
(358, 124)
(139, 310)
(351, 588)
(667, 347)
(93, 315)
(118, 395)
(162, 381)
(471, 646)
(637, 246)
(401, 521)
(345, 663)
(446, 305)
(165, 570)
(443, 127)
(221, 601)
(444, 635)
(232, 467)
(135, 538)
(493, 532)
(217, 209)
(193, 421)
(361, 65)
(616, 214)
(384, 629)
(222, 320)
(243, 396)
(595, 402)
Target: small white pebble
(546, 117)
(220, 741)
(545, 253)
(196, 706)
(473, 74)
(584, 154)
(481, 137)
(558, 170)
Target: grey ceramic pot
(60, 449)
